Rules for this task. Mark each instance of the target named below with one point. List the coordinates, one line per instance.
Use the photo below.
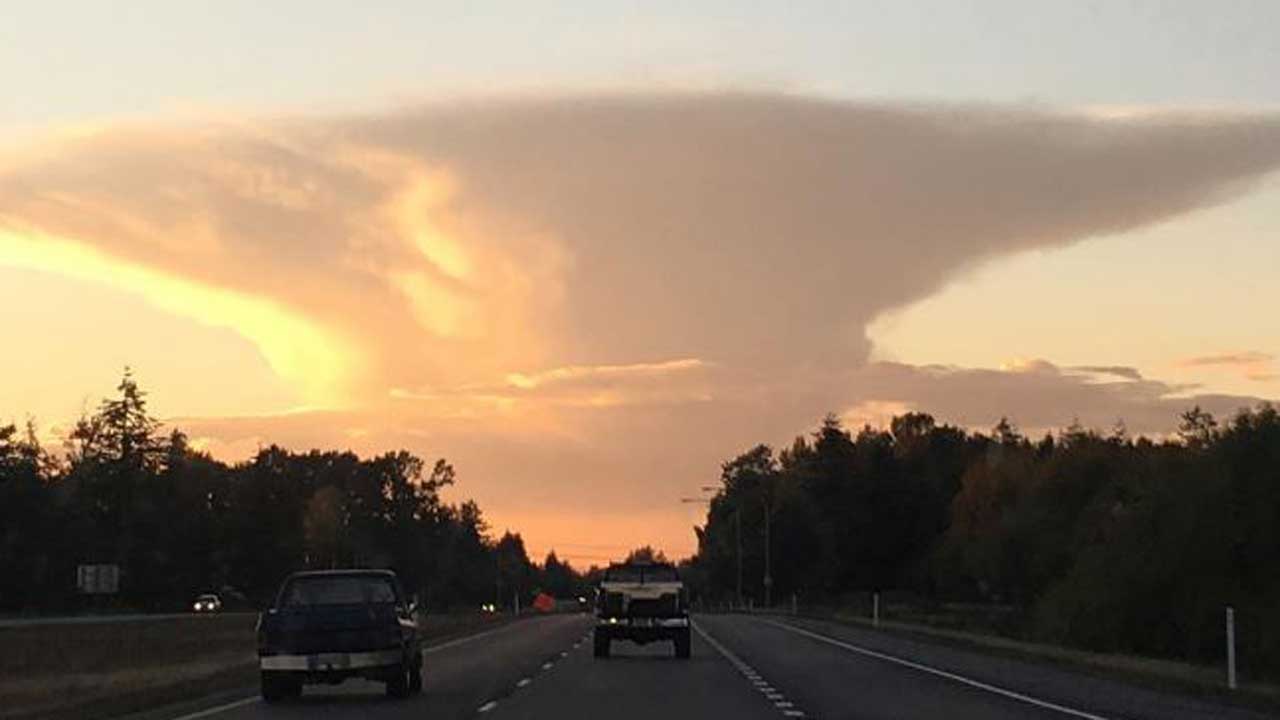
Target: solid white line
(219, 709)
(487, 706)
(466, 639)
(935, 671)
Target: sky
(587, 252)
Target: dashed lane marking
(487, 706)
(547, 665)
(523, 682)
(935, 671)
(777, 698)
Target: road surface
(743, 667)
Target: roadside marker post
(875, 609)
(1231, 647)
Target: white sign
(98, 579)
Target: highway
(743, 667)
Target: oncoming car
(327, 626)
(208, 603)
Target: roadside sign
(98, 579)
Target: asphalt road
(743, 667)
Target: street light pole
(737, 522)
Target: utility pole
(768, 575)
(737, 520)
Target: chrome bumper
(676, 622)
(322, 662)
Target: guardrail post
(1231, 647)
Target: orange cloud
(1229, 359)
(1253, 365)
(494, 280)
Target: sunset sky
(588, 253)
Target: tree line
(1099, 541)
(178, 522)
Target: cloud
(1253, 365)
(578, 373)
(561, 294)
(455, 244)
(1120, 371)
(1251, 358)
(1037, 401)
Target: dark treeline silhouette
(178, 522)
(1103, 542)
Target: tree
(646, 554)
(1197, 428)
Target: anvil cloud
(587, 301)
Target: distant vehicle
(208, 603)
(327, 626)
(643, 603)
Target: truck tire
(601, 642)
(415, 676)
(684, 645)
(398, 684)
(277, 687)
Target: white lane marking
(523, 682)
(425, 651)
(219, 709)
(777, 698)
(564, 653)
(940, 673)
(487, 706)
(464, 640)
(546, 665)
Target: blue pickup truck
(328, 626)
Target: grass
(66, 671)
